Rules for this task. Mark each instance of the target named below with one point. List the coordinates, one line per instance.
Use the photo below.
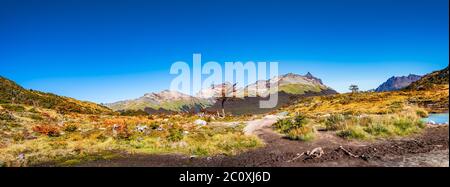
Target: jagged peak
(309, 75)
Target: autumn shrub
(121, 132)
(48, 130)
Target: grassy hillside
(373, 102)
(431, 81)
(11, 94)
(175, 106)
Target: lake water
(439, 118)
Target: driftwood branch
(297, 157)
(315, 153)
(348, 152)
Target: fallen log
(348, 152)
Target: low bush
(121, 132)
(378, 130)
(296, 128)
(382, 126)
(175, 134)
(286, 125)
(302, 134)
(335, 122)
(355, 132)
(48, 130)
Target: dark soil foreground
(429, 148)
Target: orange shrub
(48, 130)
(121, 131)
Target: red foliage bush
(121, 131)
(48, 130)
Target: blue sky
(105, 51)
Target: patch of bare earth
(429, 148)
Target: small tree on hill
(354, 88)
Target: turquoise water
(440, 118)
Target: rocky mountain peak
(397, 83)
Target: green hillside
(12, 93)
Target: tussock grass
(381, 126)
(296, 128)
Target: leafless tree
(354, 88)
(224, 98)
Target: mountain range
(290, 87)
(397, 83)
(172, 101)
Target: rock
(316, 153)
(21, 157)
(283, 114)
(326, 115)
(141, 128)
(200, 122)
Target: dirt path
(256, 125)
(429, 148)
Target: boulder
(200, 122)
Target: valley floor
(429, 148)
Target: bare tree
(224, 98)
(354, 88)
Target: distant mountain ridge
(172, 101)
(166, 100)
(397, 83)
(12, 93)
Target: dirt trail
(255, 125)
(425, 149)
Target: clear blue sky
(104, 51)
